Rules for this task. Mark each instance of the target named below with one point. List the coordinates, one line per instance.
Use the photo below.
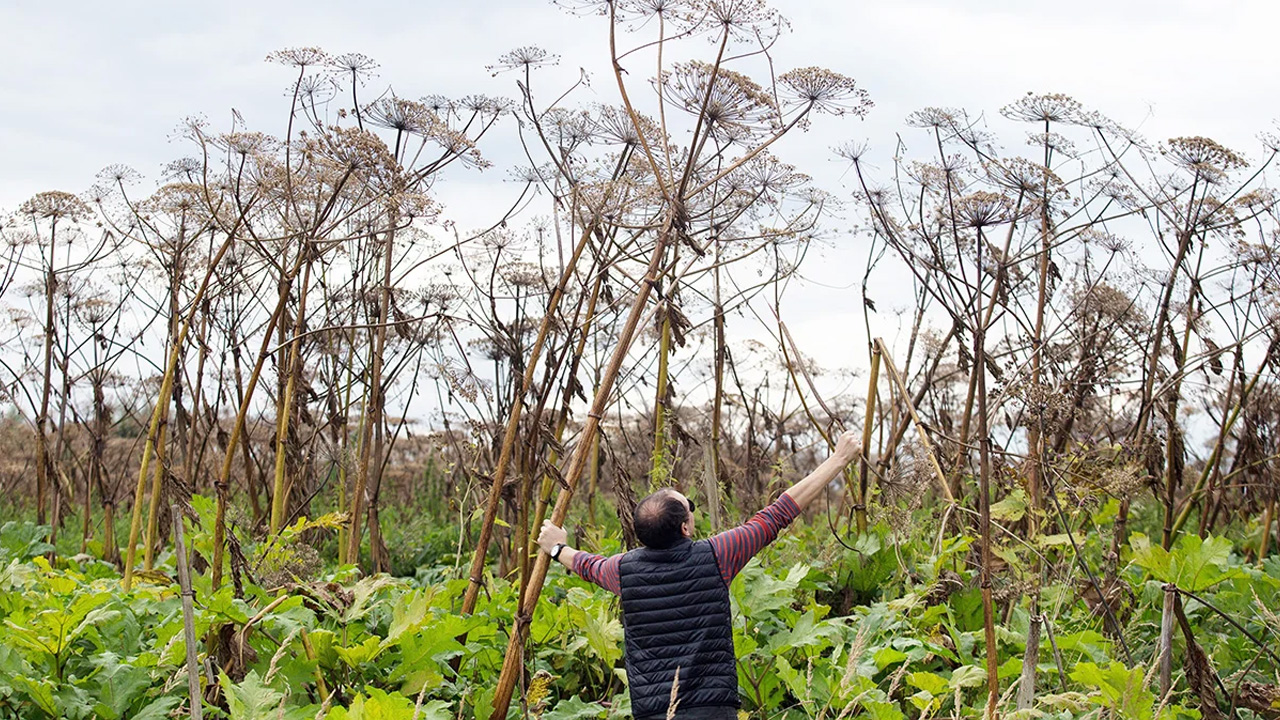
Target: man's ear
(686, 527)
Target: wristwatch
(556, 549)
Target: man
(675, 593)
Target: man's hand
(550, 536)
(847, 449)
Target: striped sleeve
(602, 571)
(733, 548)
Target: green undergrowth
(885, 626)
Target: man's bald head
(659, 519)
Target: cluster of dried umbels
(1097, 294)
(1072, 306)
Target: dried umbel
(1122, 480)
(523, 58)
(1108, 241)
(406, 116)
(1051, 107)
(361, 67)
(734, 98)
(179, 198)
(1258, 200)
(1055, 142)
(1205, 157)
(937, 118)
(824, 91)
(56, 205)
(767, 174)
(566, 129)
(613, 125)
(1024, 176)
(119, 175)
(317, 90)
(301, 57)
(243, 144)
(1045, 408)
(984, 209)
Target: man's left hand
(550, 536)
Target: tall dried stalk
(476, 576)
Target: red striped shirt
(732, 548)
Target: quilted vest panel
(675, 612)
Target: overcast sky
(88, 84)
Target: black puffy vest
(675, 611)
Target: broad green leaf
(1192, 565)
(1120, 688)
(1012, 508)
(381, 705)
(575, 708)
(967, 676)
(157, 709)
(886, 656)
(407, 614)
(792, 677)
(119, 685)
(357, 655)
(882, 710)
(40, 691)
(928, 682)
(251, 699)
(1201, 564)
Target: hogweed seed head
(825, 91)
(56, 205)
(359, 66)
(1203, 156)
(523, 58)
(984, 209)
(1050, 107)
(301, 57)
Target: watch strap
(556, 550)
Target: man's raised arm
(813, 484)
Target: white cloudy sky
(88, 84)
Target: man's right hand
(848, 447)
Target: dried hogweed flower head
(1051, 107)
(614, 126)
(302, 57)
(361, 67)
(1056, 142)
(734, 99)
(119, 175)
(523, 58)
(1204, 156)
(984, 209)
(936, 117)
(56, 205)
(405, 116)
(825, 91)
(1024, 176)
(743, 18)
